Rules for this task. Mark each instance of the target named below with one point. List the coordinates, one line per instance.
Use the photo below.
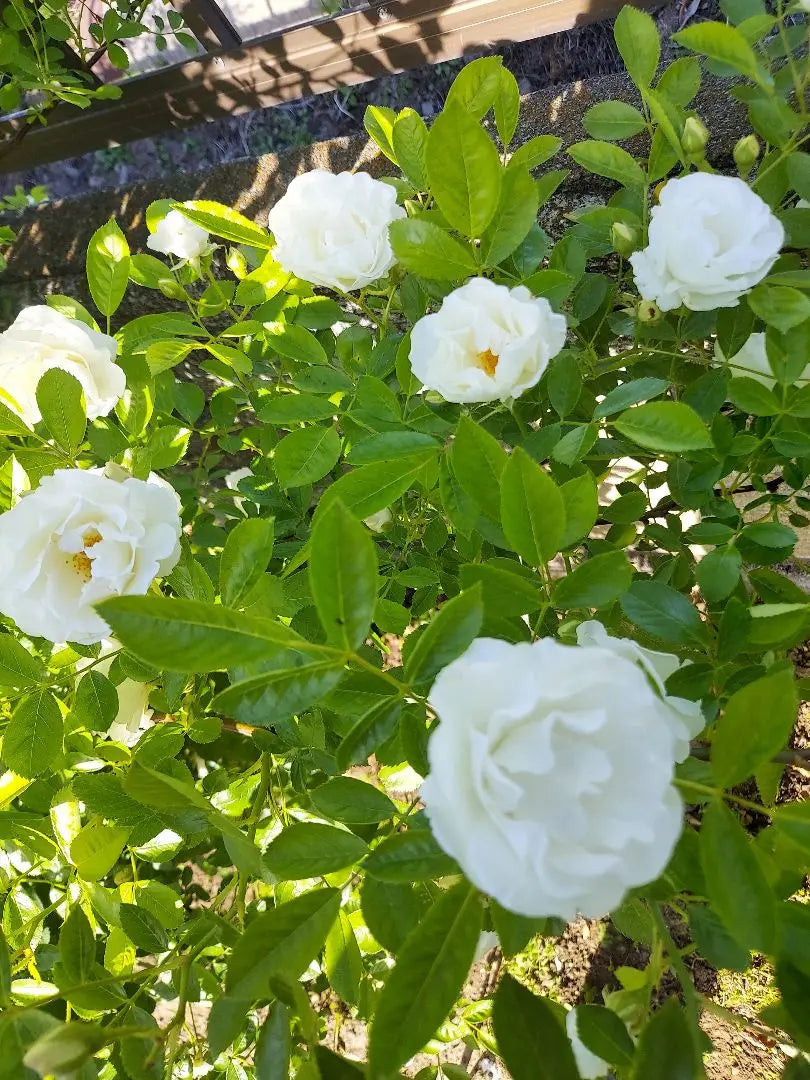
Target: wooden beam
(313, 59)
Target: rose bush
(427, 582)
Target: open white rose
(41, 338)
(80, 538)
(332, 229)
(486, 342)
(685, 717)
(711, 239)
(551, 775)
(751, 362)
(176, 235)
(589, 1066)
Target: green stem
(690, 994)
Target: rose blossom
(711, 239)
(80, 538)
(551, 775)
(685, 717)
(486, 342)
(751, 362)
(176, 235)
(41, 338)
(332, 230)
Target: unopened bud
(695, 136)
(648, 311)
(746, 153)
(624, 238)
(171, 288)
(236, 263)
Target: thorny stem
(690, 994)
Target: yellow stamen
(488, 362)
(82, 565)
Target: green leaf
(308, 849)
(725, 44)
(282, 942)
(504, 589)
(464, 171)
(192, 635)
(77, 946)
(530, 1037)
(448, 634)
(108, 267)
(532, 510)
(476, 86)
(11, 424)
(410, 856)
(714, 942)
(244, 559)
(288, 409)
(779, 306)
(664, 613)
(160, 791)
(426, 981)
(735, 882)
(564, 384)
(664, 426)
(478, 461)
(369, 732)
(594, 583)
(666, 1048)
(755, 724)
(515, 215)
(506, 106)
(61, 401)
(752, 397)
(142, 928)
(33, 738)
(275, 695)
(613, 120)
(296, 342)
(535, 152)
(516, 931)
(718, 572)
(391, 912)
(225, 222)
(679, 83)
(604, 159)
(637, 41)
(409, 137)
(630, 393)
(306, 456)
(273, 1046)
(96, 849)
(371, 488)
(18, 668)
(354, 802)
(429, 251)
(96, 704)
(379, 123)
(604, 1034)
(580, 500)
(342, 960)
(343, 576)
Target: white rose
(589, 1066)
(232, 484)
(551, 775)
(685, 717)
(751, 362)
(134, 714)
(377, 522)
(711, 239)
(80, 538)
(176, 235)
(332, 229)
(41, 338)
(486, 342)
